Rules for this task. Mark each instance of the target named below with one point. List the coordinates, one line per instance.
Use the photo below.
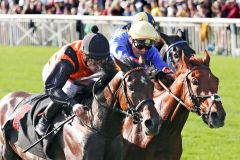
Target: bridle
(193, 97)
(133, 110)
(169, 58)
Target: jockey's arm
(55, 82)
(156, 59)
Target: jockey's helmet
(144, 16)
(143, 30)
(95, 45)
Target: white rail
(219, 35)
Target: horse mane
(110, 70)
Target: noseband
(195, 98)
(132, 110)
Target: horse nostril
(214, 115)
(148, 123)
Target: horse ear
(185, 61)
(181, 34)
(119, 65)
(206, 58)
(164, 37)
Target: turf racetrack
(21, 67)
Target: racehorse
(171, 51)
(86, 139)
(194, 89)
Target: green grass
(21, 69)
(201, 142)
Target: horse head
(196, 88)
(130, 92)
(173, 47)
(202, 88)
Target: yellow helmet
(143, 30)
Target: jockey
(138, 43)
(78, 59)
(141, 16)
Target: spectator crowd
(158, 8)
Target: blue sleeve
(154, 57)
(119, 46)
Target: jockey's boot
(42, 126)
(44, 121)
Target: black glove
(152, 72)
(160, 75)
(155, 74)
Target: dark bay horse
(195, 89)
(171, 51)
(122, 97)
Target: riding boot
(48, 115)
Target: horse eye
(129, 78)
(175, 55)
(130, 86)
(195, 81)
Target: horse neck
(105, 118)
(167, 103)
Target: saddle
(20, 126)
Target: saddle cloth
(20, 127)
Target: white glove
(78, 110)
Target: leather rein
(193, 97)
(132, 110)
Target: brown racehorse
(195, 88)
(122, 97)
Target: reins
(132, 110)
(193, 97)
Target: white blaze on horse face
(143, 80)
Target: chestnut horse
(195, 89)
(87, 139)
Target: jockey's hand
(152, 72)
(79, 110)
(167, 78)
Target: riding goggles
(97, 61)
(140, 44)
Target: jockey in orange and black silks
(78, 59)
